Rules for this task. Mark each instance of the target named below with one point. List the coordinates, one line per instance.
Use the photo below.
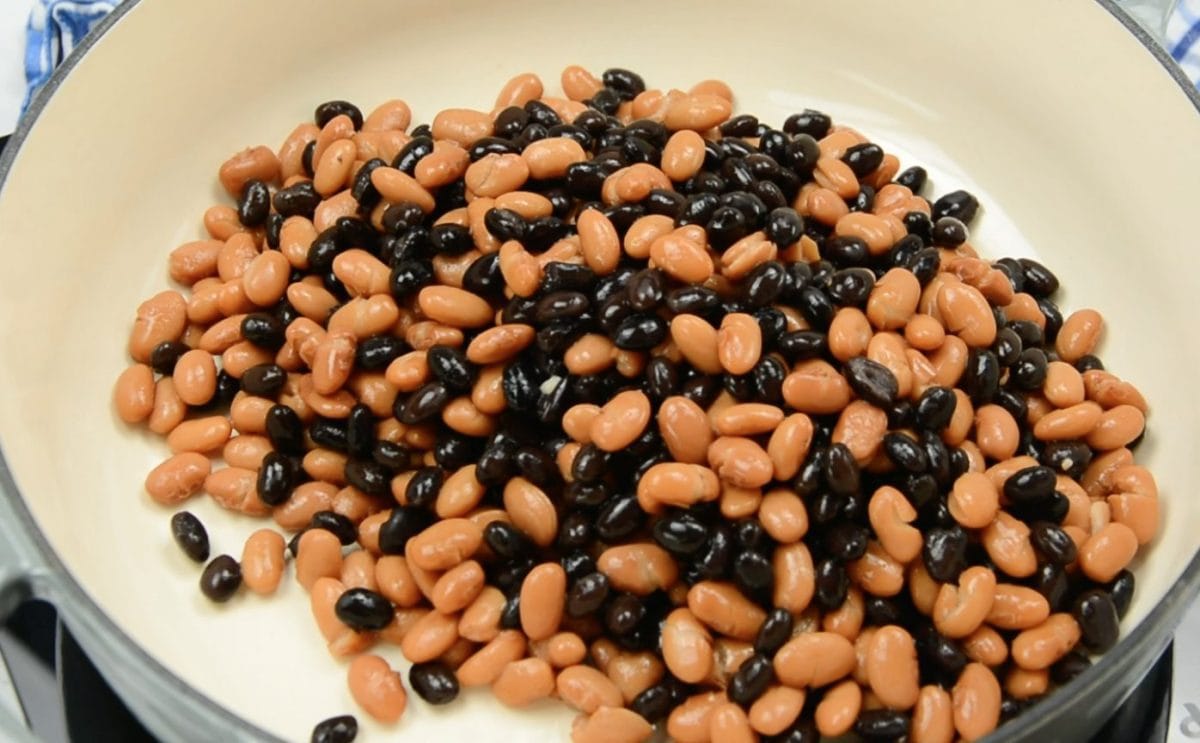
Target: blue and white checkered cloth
(56, 26)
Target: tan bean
(1108, 551)
(246, 451)
(633, 673)
(457, 587)
(922, 588)
(579, 84)
(996, 432)
(461, 125)
(1074, 422)
(892, 667)
(838, 709)
(361, 272)
(445, 544)
(397, 186)
(242, 356)
(253, 163)
(577, 421)
(161, 318)
(1138, 512)
(933, 716)
(358, 570)
(133, 395)
(683, 155)
(877, 572)
(776, 710)
(644, 231)
(621, 421)
(178, 478)
(723, 608)
(455, 307)
(817, 388)
(333, 360)
(389, 115)
(1006, 540)
(307, 499)
(587, 689)
(201, 435)
(486, 665)
(783, 515)
(1117, 427)
(543, 593)
(262, 561)
(549, 158)
(333, 169)
(611, 725)
(459, 494)
(789, 444)
(985, 645)
(967, 314)
(500, 343)
(561, 650)
(446, 164)
(974, 500)
(959, 610)
(639, 568)
(860, 427)
(494, 174)
(924, 333)
(686, 646)
(1079, 335)
(523, 682)
(949, 361)
(520, 269)
(849, 334)
(739, 343)
(681, 258)
(221, 222)
(697, 112)
(676, 484)
(976, 700)
(1017, 607)
(431, 635)
(891, 516)
(956, 431)
(689, 722)
(729, 722)
(869, 228)
(698, 342)
(318, 555)
(531, 510)
(740, 462)
(377, 688)
(835, 175)
(795, 577)
(396, 582)
(168, 411)
(1064, 385)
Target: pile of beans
(689, 421)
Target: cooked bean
(178, 478)
(377, 688)
(523, 682)
(976, 700)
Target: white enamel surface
(1080, 147)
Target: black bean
(654, 703)
(693, 300)
(587, 595)
(1030, 484)
(537, 466)
(774, 632)
(510, 121)
(846, 541)
(872, 381)
(640, 332)
(935, 408)
(328, 433)
(1038, 280)
(816, 307)
(434, 682)
(882, 724)
(627, 85)
(362, 609)
(619, 518)
(336, 524)
(1054, 318)
(912, 178)
(409, 276)
(904, 452)
(1051, 581)
(377, 352)
(713, 561)
(1029, 371)
(1097, 617)
(264, 380)
(1088, 362)
(925, 264)
(753, 574)
(832, 584)
(811, 122)
(850, 287)
(263, 330)
(981, 378)
(577, 563)
(221, 578)
(945, 553)
(254, 204)
(404, 523)
(1121, 591)
(277, 476)
(751, 680)
(400, 217)
(841, 472)
(1053, 543)
(764, 284)
(451, 367)
(423, 404)
(510, 617)
(285, 430)
(1071, 665)
(662, 378)
(423, 487)
(949, 232)
(505, 224)
(1070, 458)
(330, 109)
(585, 494)
(368, 476)
(575, 531)
(623, 613)
(191, 536)
(165, 355)
(800, 345)
(412, 153)
(341, 729)
(846, 251)
(958, 204)
(863, 159)
(784, 226)
(769, 374)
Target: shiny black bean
(702, 390)
(398, 218)
(802, 155)
(1088, 362)
(800, 345)
(590, 464)
(263, 330)
(935, 408)
(561, 305)
(423, 404)
(774, 632)
(850, 287)
(925, 264)
(1097, 617)
(904, 452)
(221, 579)
(328, 110)
(1038, 280)
(623, 614)
(285, 430)
(912, 178)
(587, 595)
(341, 729)
(451, 239)
(434, 682)
(693, 300)
(404, 523)
(902, 414)
(620, 517)
(300, 199)
(846, 251)
(661, 378)
(454, 451)
(449, 365)
(368, 476)
(537, 466)
(510, 617)
(277, 476)
(407, 277)
(726, 226)
(1054, 318)
(751, 679)
(412, 153)
(1052, 582)
(165, 355)
(626, 84)
(1053, 509)
(863, 159)
(882, 724)
(832, 584)
(1029, 371)
(362, 609)
(510, 121)
(264, 380)
(654, 704)
(816, 307)
(1053, 543)
(378, 351)
(1121, 591)
(945, 553)
(575, 532)
(753, 574)
(769, 374)
(1070, 458)
(784, 226)
(1014, 403)
(1030, 484)
(958, 204)
(949, 232)
(640, 332)
(191, 536)
(423, 487)
(504, 224)
(872, 381)
(254, 204)
(362, 189)
(846, 541)
(764, 284)
(699, 209)
(841, 472)
(981, 378)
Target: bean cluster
(621, 398)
